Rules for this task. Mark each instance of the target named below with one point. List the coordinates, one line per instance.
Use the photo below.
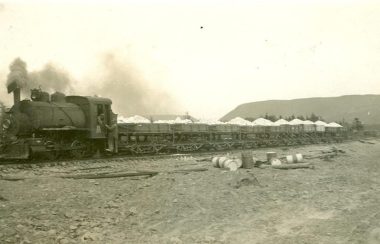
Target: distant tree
(292, 117)
(344, 123)
(272, 118)
(357, 125)
(300, 117)
(313, 117)
(250, 119)
(280, 117)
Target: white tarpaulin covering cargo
(239, 121)
(319, 122)
(262, 122)
(308, 122)
(209, 122)
(134, 119)
(178, 120)
(333, 124)
(281, 122)
(296, 122)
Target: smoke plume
(18, 73)
(49, 79)
(130, 92)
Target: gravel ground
(336, 202)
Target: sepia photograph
(176, 122)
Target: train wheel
(78, 149)
(51, 155)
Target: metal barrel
(238, 162)
(247, 160)
(270, 156)
(214, 161)
(230, 164)
(221, 161)
(295, 158)
(227, 163)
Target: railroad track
(126, 157)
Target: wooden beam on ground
(289, 166)
(11, 178)
(188, 170)
(110, 175)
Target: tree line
(312, 117)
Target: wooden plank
(289, 166)
(109, 175)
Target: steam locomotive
(50, 126)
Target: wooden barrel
(295, 158)
(270, 156)
(247, 160)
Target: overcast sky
(209, 55)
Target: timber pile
(326, 154)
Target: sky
(208, 56)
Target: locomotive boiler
(30, 116)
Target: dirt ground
(336, 202)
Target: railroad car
(51, 126)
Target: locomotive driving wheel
(52, 154)
(78, 149)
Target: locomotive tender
(77, 125)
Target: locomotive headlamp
(6, 124)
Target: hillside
(365, 107)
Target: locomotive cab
(97, 112)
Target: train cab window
(100, 109)
(100, 114)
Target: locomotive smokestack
(16, 95)
(13, 87)
(17, 78)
